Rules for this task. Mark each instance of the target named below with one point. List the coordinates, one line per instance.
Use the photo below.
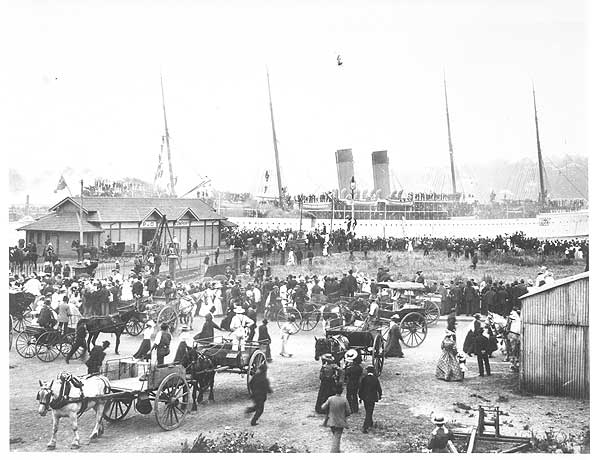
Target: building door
(148, 235)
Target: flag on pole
(61, 184)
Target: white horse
(68, 396)
(510, 330)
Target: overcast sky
(82, 90)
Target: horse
(336, 345)
(112, 324)
(55, 396)
(30, 256)
(187, 309)
(509, 329)
(201, 369)
(16, 257)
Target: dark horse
(112, 324)
(201, 369)
(336, 345)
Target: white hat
(150, 323)
(438, 419)
(238, 309)
(351, 355)
(186, 337)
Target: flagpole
(81, 222)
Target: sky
(82, 95)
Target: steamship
(387, 213)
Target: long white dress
(290, 258)
(126, 291)
(217, 303)
(207, 302)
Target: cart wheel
(378, 354)
(257, 358)
(171, 402)
(283, 317)
(134, 326)
(310, 320)
(413, 329)
(66, 346)
(25, 344)
(48, 346)
(20, 323)
(170, 316)
(432, 311)
(10, 337)
(117, 408)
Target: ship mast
(452, 161)
(542, 191)
(171, 170)
(275, 145)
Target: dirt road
(411, 393)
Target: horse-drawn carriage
(366, 338)
(394, 295)
(46, 344)
(19, 309)
(115, 249)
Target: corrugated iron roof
(65, 223)
(115, 209)
(556, 283)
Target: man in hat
(373, 311)
(338, 411)
(264, 339)
(419, 277)
(96, 357)
(152, 284)
(353, 374)
(259, 389)
(370, 392)
(79, 340)
(144, 350)
(46, 316)
(481, 347)
(441, 437)
(162, 342)
(63, 314)
(238, 326)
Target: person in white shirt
(144, 350)
(287, 329)
(33, 286)
(238, 325)
(374, 310)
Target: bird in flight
(339, 61)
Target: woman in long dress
(126, 290)
(207, 302)
(217, 303)
(448, 367)
(393, 345)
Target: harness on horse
(63, 398)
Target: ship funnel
(380, 170)
(344, 168)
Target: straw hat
(327, 357)
(238, 309)
(438, 419)
(350, 355)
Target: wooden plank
(471, 444)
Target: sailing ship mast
(452, 161)
(542, 192)
(171, 170)
(275, 145)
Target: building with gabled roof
(131, 220)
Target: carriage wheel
(117, 408)
(170, 316)
(283, 317)
(432, 311)
(134, 326)
(310, 320)
(257, 358)
(413, 329)
(20, 323)
(66, 346)
(48, 346)
(25, 344)
(172, 402)
(378, 354)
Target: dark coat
(370, 389)
(96, 357)
(260, 386)
(263, 334)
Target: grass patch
(233, 443)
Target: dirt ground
(411, 393)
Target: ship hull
(563, 225)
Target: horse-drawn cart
(161, 389)
(19, 309)
(394, 295)
(412, 322)
(225, 359)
